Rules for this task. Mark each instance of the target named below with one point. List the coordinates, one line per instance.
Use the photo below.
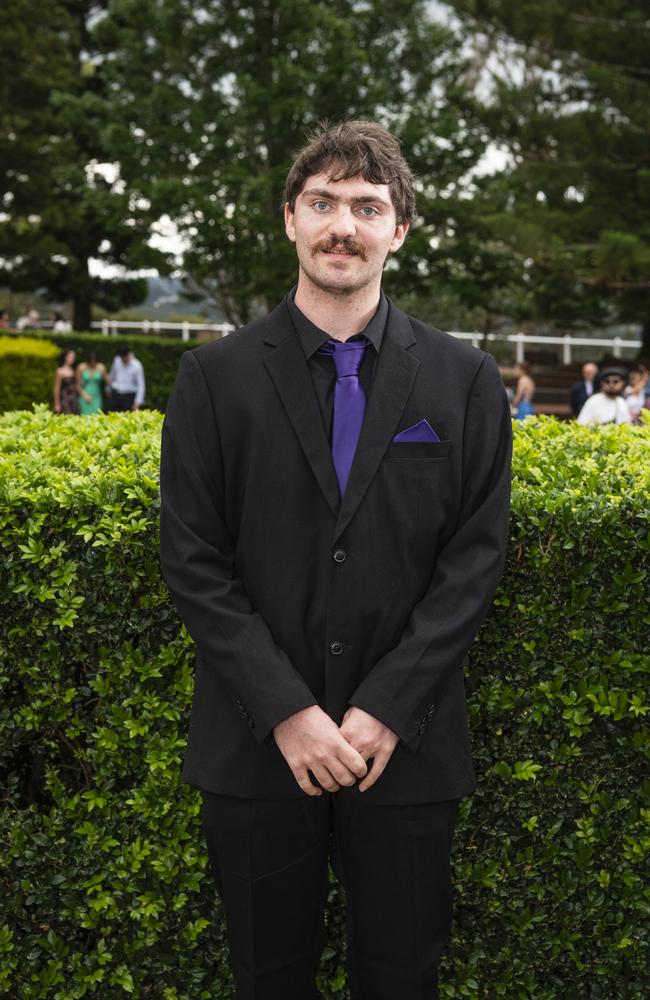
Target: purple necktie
(349, 403)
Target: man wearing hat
(607, 406)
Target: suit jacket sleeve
(402, 687)
(197, 555)
(577, 398)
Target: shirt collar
(312, 337)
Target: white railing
(567, 343)
(617, 345)
(110, 327)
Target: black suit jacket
(295, 598)
(579, 394)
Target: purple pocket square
(418, 432)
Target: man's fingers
(377, 769)
(353, 760)
(324, 778)
(341, 773)
(305, 782)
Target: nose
(343, 224)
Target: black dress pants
(120, 402)
(269, 862)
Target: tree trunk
(81, 287)
(81, 312)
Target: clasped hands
(310, 740)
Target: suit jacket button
(340, 555)
(336, 648)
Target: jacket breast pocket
(417, 484)
(418, 451)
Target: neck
(339, 315)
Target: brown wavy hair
(355, 149)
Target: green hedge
(27, 370)
(160, 357)
(105, 890)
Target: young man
(127, 382)
(607, 406)
(335, 483)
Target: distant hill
(165, 298)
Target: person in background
(28, 320)
(127, 382)
(586, 387)
(522, 404)
(91, 379)
(607, 406)
(4, 320)
(635, 393)
(59, 324)
(66, 395)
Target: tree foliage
(211, 101)
(60, 207)
(571, 103)
(117, 112)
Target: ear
(289, 227)
(399, 236)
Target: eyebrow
(324, 193)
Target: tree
(571, 103)
(471, 277)
(61, 206)
(212, 100)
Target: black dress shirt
(321, 366)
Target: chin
(344, 287)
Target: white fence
(616, 345)
(111, 327)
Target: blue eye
(320, 206)
(369, 211)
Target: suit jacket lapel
(391, 386)
(288, 369)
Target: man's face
(612, 385)
(343, 231)
(589, 372)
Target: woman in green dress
(91, 379)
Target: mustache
(349, 244)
